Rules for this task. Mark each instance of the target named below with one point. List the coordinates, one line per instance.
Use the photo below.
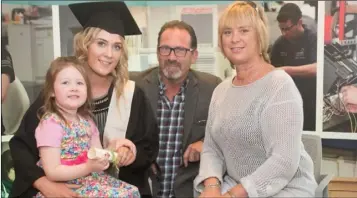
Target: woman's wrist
(212, 183)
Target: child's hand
(98, 165)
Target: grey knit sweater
(253, 134)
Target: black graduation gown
(142, 131)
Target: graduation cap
(113, 17)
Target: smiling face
(175, 64)
(70, 89)
(240, 43)
(243, 33)
(104, 53)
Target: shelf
(343, 187)
(334, 135)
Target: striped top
(100, 111)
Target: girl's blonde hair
(84, 38)
(253, 14)
(50, 105)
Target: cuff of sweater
(249, 186)
(198, 182)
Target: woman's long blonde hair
(84, 38)
(254, 14)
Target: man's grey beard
(172, 75)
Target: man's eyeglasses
(179, 51)
(286, 29)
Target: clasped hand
(125, 149)
(192, 153)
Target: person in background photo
(295, 52)
(308, 21)
(253, 142)
(119, 107)
(349, 97)
(7, 77)
(180, 98)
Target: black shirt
(6, 68)
(299, 52)
(6, 64)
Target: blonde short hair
(84, 38)
(254, 15)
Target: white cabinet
(22, 50)
(44, 51)
(31, 48)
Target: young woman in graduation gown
(120, 108)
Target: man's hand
(349, 95)
(192, 153)
(55, 189)
(300, 71)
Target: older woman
(252, 146)
(120, 108)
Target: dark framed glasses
(286, 29)
(179, 51)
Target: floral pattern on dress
(74, 147)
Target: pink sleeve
(94, 129)
(49, 133)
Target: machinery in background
(341, 56)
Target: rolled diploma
(96, 153)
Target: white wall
(140, 15)
(305, 8)
(157, 16)
(67, 21)
(7, 8)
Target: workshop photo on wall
(295, 50)
(340, 67)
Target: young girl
(66, 132)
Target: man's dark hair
(180, 25)
(289, 11)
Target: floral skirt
(102, 185)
